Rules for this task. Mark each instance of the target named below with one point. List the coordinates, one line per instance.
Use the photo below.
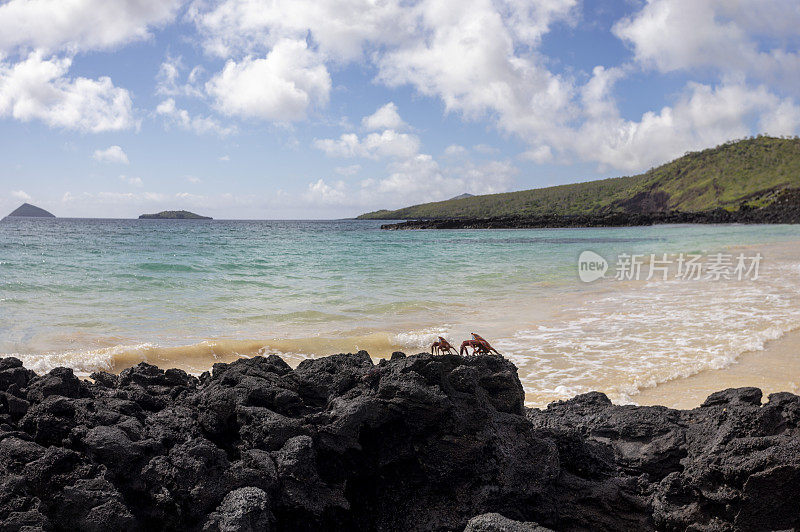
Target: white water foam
(86, 362)
(421, 338)
(654, 332)
(83, 363)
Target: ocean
(107, 294)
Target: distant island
(754, 180)
(26, 210)
(174, 215)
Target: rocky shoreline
(785, 209)
(416, 443)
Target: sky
(288, 109)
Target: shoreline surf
(672, 390)
(206, 294)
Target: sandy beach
(776, 368)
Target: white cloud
(482, 59)
(416, 179)
(37, 89)
(168, 79)
(421, 179)
(471, 59)
(351, 170)
(322, 192)
(473, 64)
(193, 180)
(346, 30)
(197, 124)
(485, 149)
(782, 118)
(98, 199)
(135, 181)
(414, 176)
(466, 55)
(686, 34)
(485, 178)
(282, 86)
(596, 95)
(77, 25)
(388, 143)
(540, 154)
(225, 158)
(347, 145)
(703, 116)
(341, 28)
(196, 199)
(385, 117)
(21, 195)
(112, 154)
(455, 150)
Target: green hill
(746, 172)
(173, 215)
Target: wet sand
(776, 368)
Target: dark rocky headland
(715, 185)
(416, 443)
(785, 209)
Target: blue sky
(331, 108)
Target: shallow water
(105, 294)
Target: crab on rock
(478, 345)
(442, 346)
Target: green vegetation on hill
(749, 171)
(173, 215)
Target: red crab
(478, 345)
(442, 346)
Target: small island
(26, 210)
(174, 215)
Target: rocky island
(174, 215)
(413, 443)
(26, 210)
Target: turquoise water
(101, 294)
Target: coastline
(417, 442)
(784, 210)
(773, 369)
(566, 337)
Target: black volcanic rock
(731, 464)
(416, 443)
(26, 210)
(497, 523)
